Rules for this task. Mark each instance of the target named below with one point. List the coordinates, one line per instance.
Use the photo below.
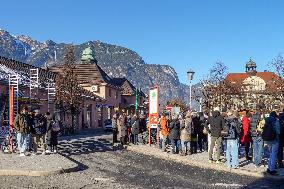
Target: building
(254, 90)
(131, 97)
(32, 88)
(103, 95)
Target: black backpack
(254, 120)
(268, 133)
(231, 126)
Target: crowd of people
(225, 131)
(36, 131)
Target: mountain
(115, 60)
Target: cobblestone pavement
(102, 166)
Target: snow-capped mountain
(115, 60)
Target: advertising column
(153, 110)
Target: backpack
(190, 127)
(55, 126)
(268, 133)
(232, 129)
(254, 121)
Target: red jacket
(245, 138)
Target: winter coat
(276, 128)
(233, 126)
(216, 122)
(142, 125)
(184, 134)
(281, 122)
(114, 123)
(175, 129)
(164, 127)
(135, 126)
(39, 125)
(22, 123)
(253, 124)
(51, 136)
(245, 137)
(121, 127)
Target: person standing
(257, 142)
(135, 129)
(270, 135)
(281, 141)
(22, 127)
(246, 135)
(51, 134)
(185, 134)
(122, 130)
(114, 128)
(232, 151)
(202, 138)
(164, 123)
(175, 134)
(217, 123)
(38, 130)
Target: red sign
(169, 108)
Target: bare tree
(69, 94)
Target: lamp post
(190, 74)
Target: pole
(190, 94)
(200, 104)
(136, 101)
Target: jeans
(39, 141)
(257, 147)
(280, 150)
(164, 143)
(202, 142)
(161, 142)
(22, 142)
(185, 146)
(232, 153)
(218, 141)
(135, 139)
(273, 149)
(114, 135)
(175, 146)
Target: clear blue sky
(181, 33)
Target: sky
(184, 34)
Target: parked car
(108, 125)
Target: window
(109, 92)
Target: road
(102, 166)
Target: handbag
(224, 132)
(205, 131)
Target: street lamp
(190, 74)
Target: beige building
(255, 90)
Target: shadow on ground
(84, 144)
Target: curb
(5, 172)
(10, 172)
(240, 171)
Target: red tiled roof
(240, 77)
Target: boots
(280, 164)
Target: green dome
(251, 64)
(87, 54)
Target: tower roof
(251, 64)
(88, 54)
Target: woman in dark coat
(175, 135)
(51, 136)
(135, 129)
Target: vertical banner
(154, 102)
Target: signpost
(154, 102)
